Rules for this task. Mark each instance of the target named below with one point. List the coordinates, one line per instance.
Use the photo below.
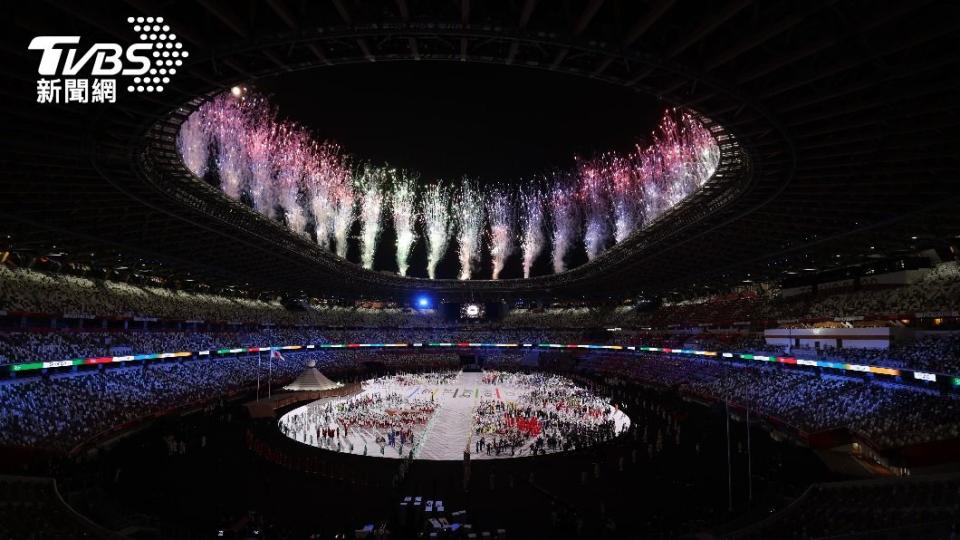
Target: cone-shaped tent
(312, 379)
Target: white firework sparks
(501, 215)
(193, 142)
(227, 123)
(436, 221)
(261, 147)
(370, 187)
(532, 218)
(403, 199)
(282, 166)
(292, 155)
(596, 207)
(469, 208)
(566, 218)
(323, 173)
(343, 213)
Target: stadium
(480, 270)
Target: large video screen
(472, 311)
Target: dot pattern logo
(166, 58)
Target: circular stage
(441, 416)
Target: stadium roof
(844, 114)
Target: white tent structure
(311, 379)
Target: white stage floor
(450, 429)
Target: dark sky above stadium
(446, 119)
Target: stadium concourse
(590, 269)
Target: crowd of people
(938, 290)
(32, 292)
(62, 411)
(379, 415)
(65, 295)
(21, 346)
(887, 415)
(55, 410)
(552, 414)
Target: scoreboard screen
(472, 311)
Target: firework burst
(469, 208)
(531, 223)
(593, 195)
(625, 196)
(502, 218)
(403, 200)
(193, 142)
(370, 186)
(323, 172)
(344, 213)
(436, 221)
(599, 201)
(227, 123)
(290, 161)
(566, 219)
(261, 144)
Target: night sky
(447, 120)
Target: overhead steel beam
(404, 10)
(227, 17)
(589, 12)
(283, 13)
(727, 10)
(767, 31)
(644, 23)
(526, 12)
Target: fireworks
(321, 176)
(566, 220)
(436, 221)
(531, 224)
(274, 164)
(403, 198)
(500, 212)
(469, 207)
(370, 186)
(593, 195)
(261, 147)
(342, 196)
(625, 196)
(225, 121)
(193, 142)
(293, 153)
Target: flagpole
(749, 455)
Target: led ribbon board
(788, 360)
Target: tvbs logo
(107, 57)
(81, 73)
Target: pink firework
(293, 147)
(594, 196)
(325, 170)
(565, 210)
(502, 218)
(193, 141)
(226, 122)
(597, 202)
